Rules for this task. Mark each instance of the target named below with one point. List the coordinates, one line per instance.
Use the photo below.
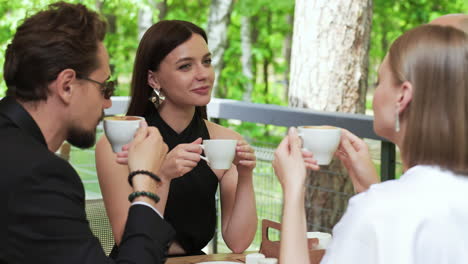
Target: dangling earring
(397, 119)
(157, 97)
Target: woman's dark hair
(157, 42)
(64, 36)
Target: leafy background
(270, 27)
(271, 24)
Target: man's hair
(64, 36)
(434, 59)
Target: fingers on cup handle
(122, 161)
(198, 141)
(348, 149)
(295, 140)
(204, 158)
(126, 147)
(143, 123)
(345, 134)
(140, 135)
(306, 153)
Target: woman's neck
(178, 118)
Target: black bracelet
(150, 195)
(149, 173)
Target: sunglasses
(107, 88)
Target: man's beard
(81, 138)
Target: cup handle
(203, 157)
(301, 135)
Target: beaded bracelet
(150, 195)
(149, 173)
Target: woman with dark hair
(420, 104)
(171, 86)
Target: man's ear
(65, 84)
(406, 96)
(153, 80)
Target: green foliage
(269, 28)
(392, 18)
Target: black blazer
(42, 205)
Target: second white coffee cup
(322, 141)
(219, 153)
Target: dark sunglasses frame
(107, 88)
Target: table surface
(240, 258)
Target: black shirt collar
(15, 112)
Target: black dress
(191, 204)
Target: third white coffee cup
(219, 153)
(323, 238)
(322, 141)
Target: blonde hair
(434, 59)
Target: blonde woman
(420, 104)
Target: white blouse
(422, 218)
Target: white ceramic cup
(323, 238)
(268, 261)
(322, 141)
(219, 153)
(120, 130)
(253, 258)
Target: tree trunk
(287, 55)
(246, 43)
(218, 22)
(162, 6)
(329, 72)
(145, 18)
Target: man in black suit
(57, 70)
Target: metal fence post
(388, 160)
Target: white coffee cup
(268, 261)
(219, 153)
(322, 141)
(253, 258)
(323, 238)
(120, 130)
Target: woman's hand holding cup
(147, 149)
(291, 162)
(354, 154)
(180, 160)
(245, 158)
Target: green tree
(392, 18)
